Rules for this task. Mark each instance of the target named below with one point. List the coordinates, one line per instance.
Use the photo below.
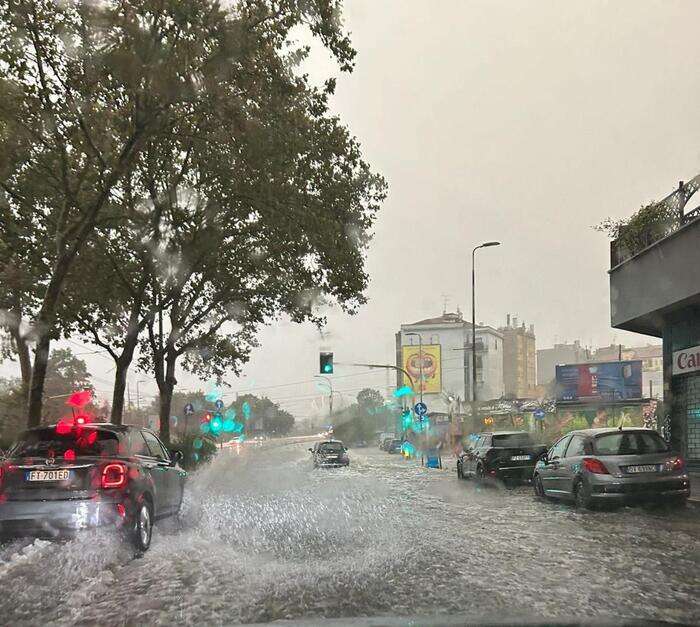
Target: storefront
(682, 370)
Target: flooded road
(264, 537)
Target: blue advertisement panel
(605, 381)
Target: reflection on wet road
(264, 537)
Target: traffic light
(326, 363)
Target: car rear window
(49, 443)
(629, 443)
(331, 447)
(511, 440)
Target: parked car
(594, 466)
(509, 456)
(394, 446)
(329, 454)
(61, 478)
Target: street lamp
(484, 245)
(138, 396)
(330, 396)
(420, 359)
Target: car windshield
(510, 440)
(48, 443)
(629, 443)
(331, 447)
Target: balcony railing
(631, 239)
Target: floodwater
(264, 537)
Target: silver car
(614, 466)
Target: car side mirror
(176, 456)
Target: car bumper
(640, 489)
(53, 518)
(522, 474)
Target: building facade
(446, 344)
(519, 359)
(549, 358)
(655, 290)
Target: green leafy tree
(84, 88)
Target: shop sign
(686, 360)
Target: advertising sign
(606, 381)
(430, 372)
(686, 360)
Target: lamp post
(484, 245)
(330, 396)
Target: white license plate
(519, 458)
(645, 468)
(47, 475)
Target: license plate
(519, 458)
(644, 468)
(47, 475)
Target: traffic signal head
(326, 363)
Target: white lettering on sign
(686, 360)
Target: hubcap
(145, 524)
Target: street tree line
(170, 180)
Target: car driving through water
(612, 466)
(58, 479)
(329, 454)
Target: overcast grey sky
(526, 122)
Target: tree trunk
(166, 395)
(36, 390)
(122, 369)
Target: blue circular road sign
(189, 409)
(219, 404)
(420, 408)
(538, 414)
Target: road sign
(219, 404)
(189, 409)
(420, 408)
(538, 414)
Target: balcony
(657, 276)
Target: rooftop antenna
(445, 300)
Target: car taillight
(676, 464)
(595, 466)
(114, 476)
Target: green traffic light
(328, 368)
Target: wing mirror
(176, 456)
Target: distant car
(394, 446)
(384, 444)
(594, 466)
(330, 454)
(61, 478)
(509, 456)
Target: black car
(394, 446)
(61, 478)
(509, 456)
(330, 453)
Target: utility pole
(484, 245)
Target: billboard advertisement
(605, 381)
(430, 373)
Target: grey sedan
(612, 466)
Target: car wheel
(480, 474)
(459, 471)
(582, 496)
(142, 531)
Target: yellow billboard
(429, 375)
